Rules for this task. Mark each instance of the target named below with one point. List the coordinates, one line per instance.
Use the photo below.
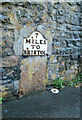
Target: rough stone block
(33, 74)
(26, 31)
(53, 59)
(16, 85)
(60, 23)
(10, 61)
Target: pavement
(65, 104)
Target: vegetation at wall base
(76, 81)
(58, 83)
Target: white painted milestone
(35, 44)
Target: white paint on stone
(35, 44)
(19, 36)
(25, 32)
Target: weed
(58, 83)
(75, 81)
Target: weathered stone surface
(26, 31)
(10, 61)
(33, 74)
(10, 75)
(60, 23)
(7, 42)
(16, 85)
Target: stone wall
(60, 23)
